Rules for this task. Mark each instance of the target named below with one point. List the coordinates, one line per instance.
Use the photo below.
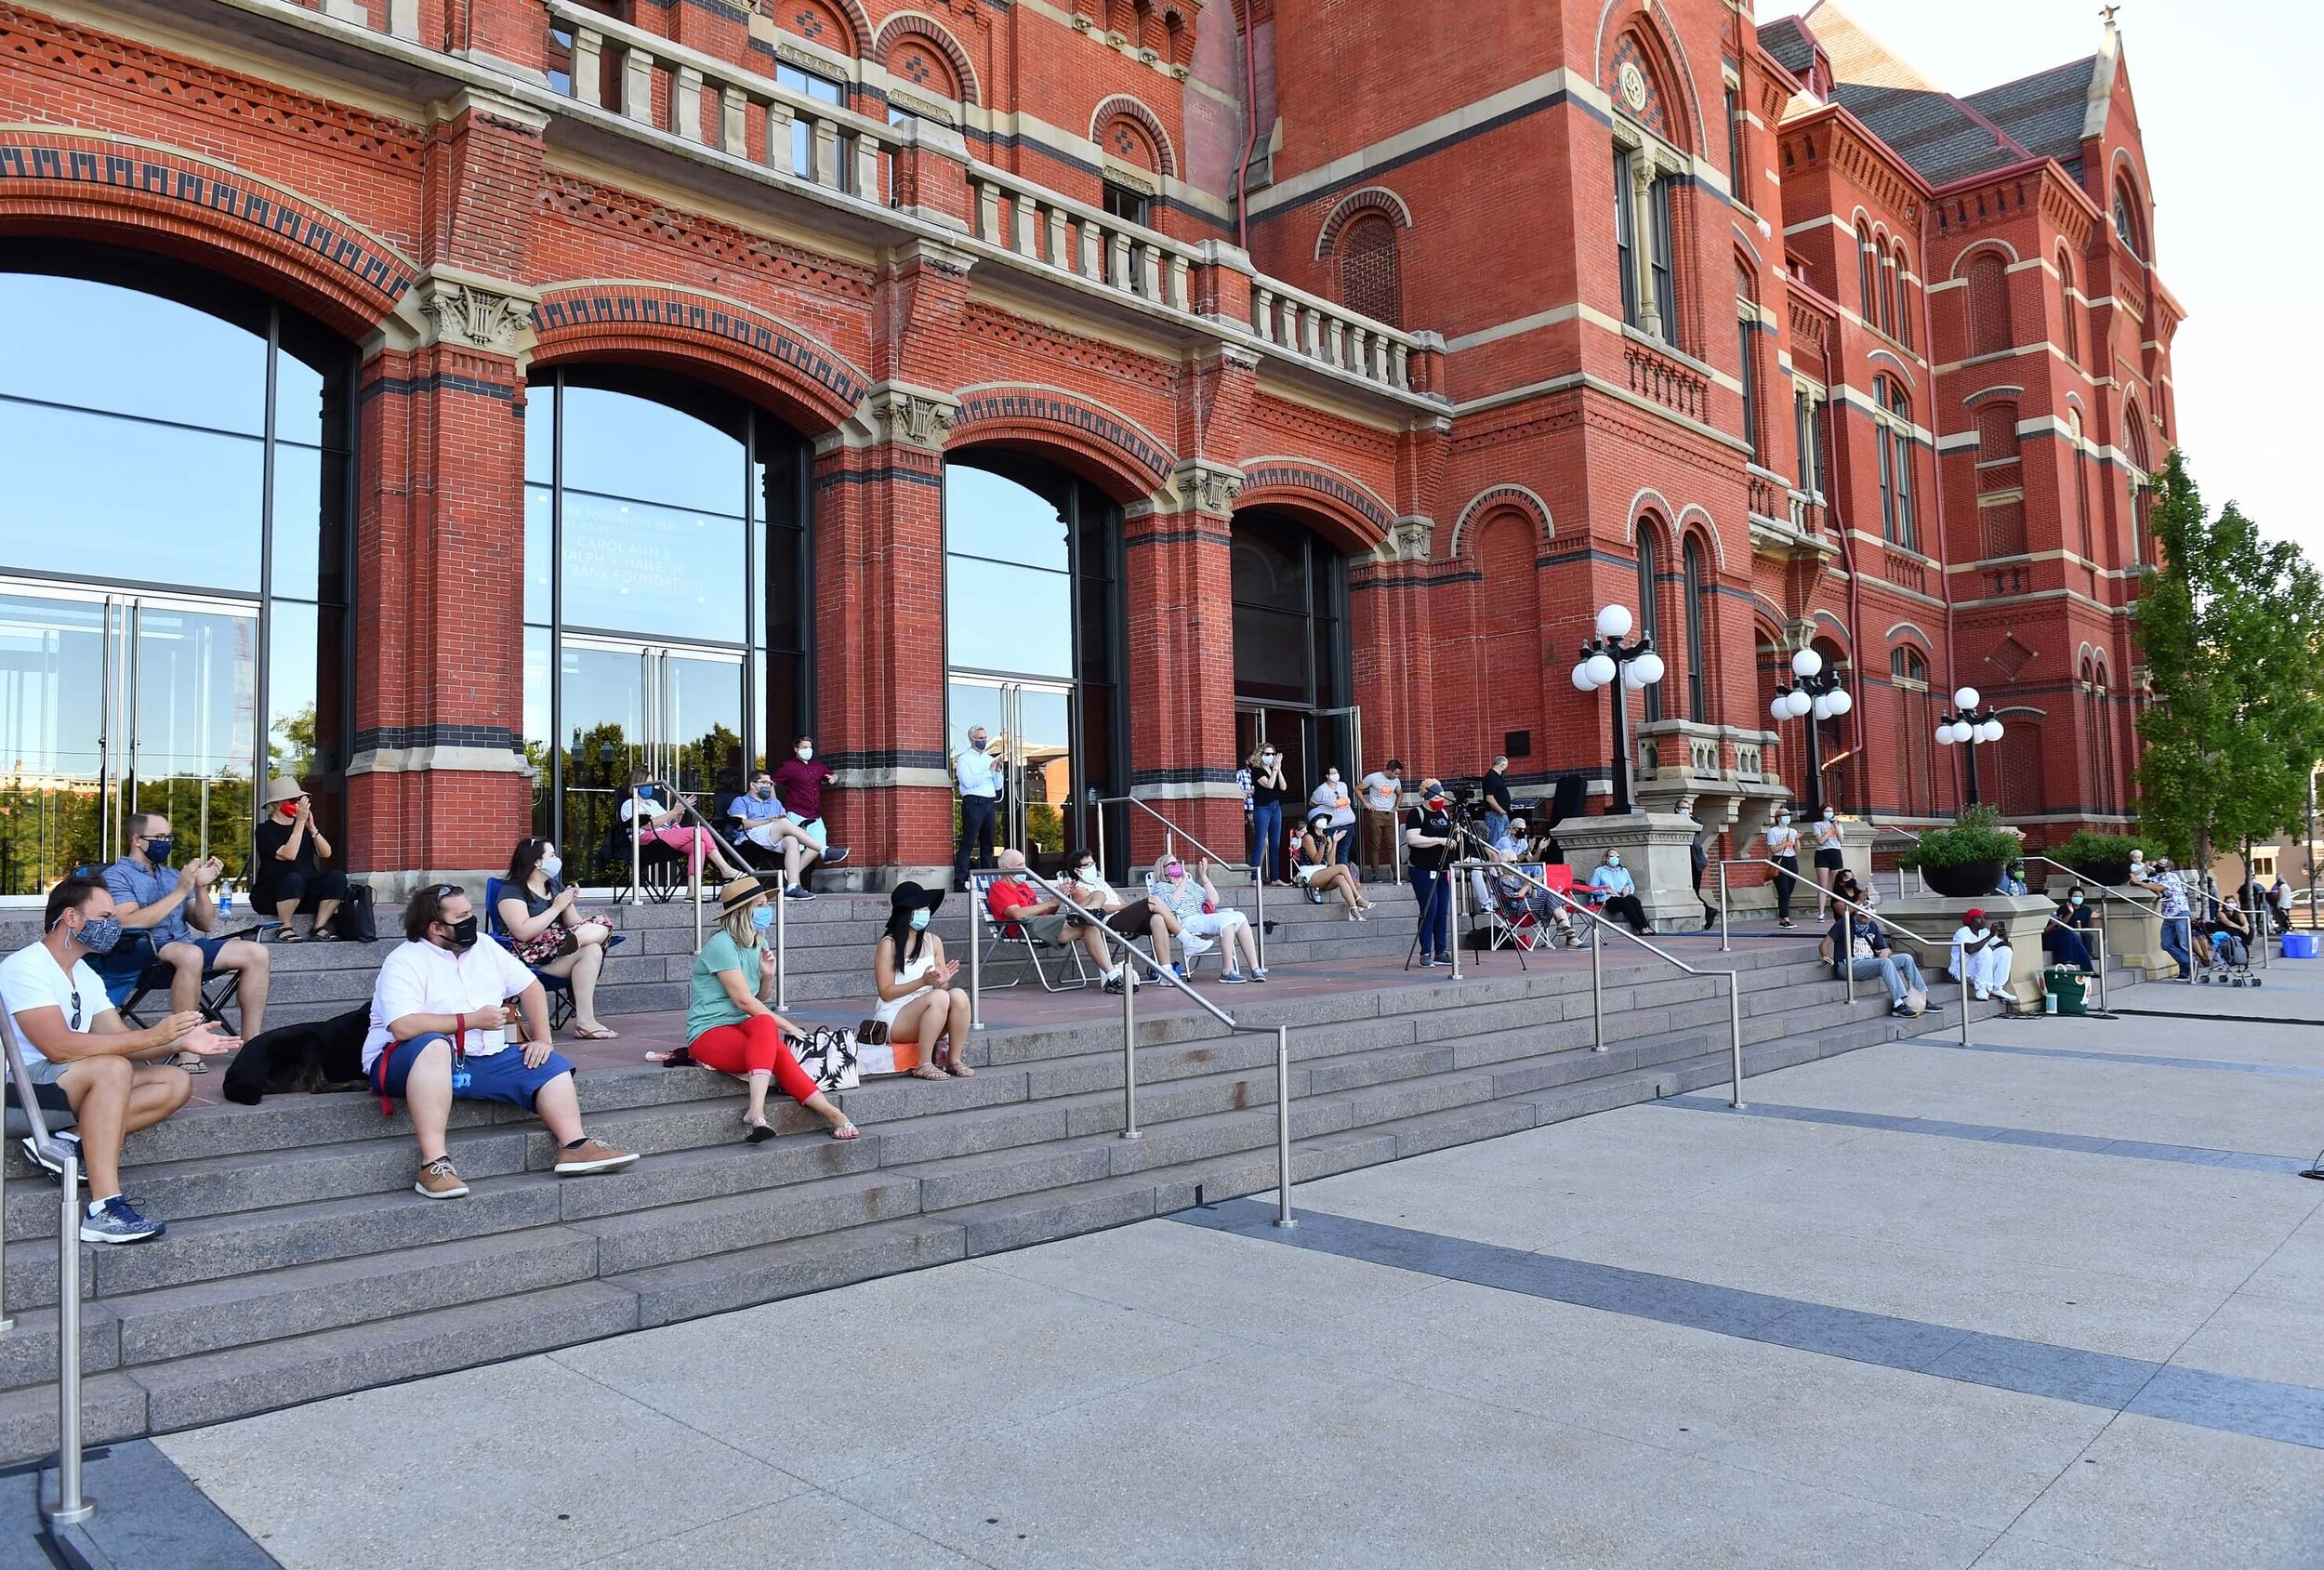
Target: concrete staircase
(300, 1264)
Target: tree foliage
(2230, 629)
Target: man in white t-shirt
(440, 1033)
(73, 1040)
(1383, 795)
(1981, 957)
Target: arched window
(1867, 266)
(2126, 227)
(2099, 733)
(667, 610)
(1989, 304)
(176, 548)
(2142, 482)
(1892, 433)
(1904, 298)
(1649, 623)
(2082, 482)
(1368, 268)
(1886, 266)
(1696, 587)
(2069, 311)
(1916, 732)
(1747, 342)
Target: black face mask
(157, 851)
(463, 934)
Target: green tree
(2230, 629)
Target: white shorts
(1306, 874)
(1212, 924)
(813, 829)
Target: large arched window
(1292, 681)
(666, 594)
(174, 521)
(2081, 483)
(2141, 478)
(1649, 617)
(1747, 356)
(1884, 265)
(1368, 282)
(1989, 304)
(1696, 588)
(1034, 630)
(2069, 311)
(1892, 433)
(2127, 227)
(1916, 732)
(1867, 269)
(2099, 733)
(1903, 269)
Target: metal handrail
(2119, 891)
(1258, 880)
(1597, 968)
(1781, 871)
(1129, 1039)
(1894, 828)
(2099, 958)
(72, 1507)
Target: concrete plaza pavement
(2048, 1303)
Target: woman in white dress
(1321, 871)
(918, 1002)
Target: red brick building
(462, 402)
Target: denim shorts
(500, 1077)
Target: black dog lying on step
(324, 1055)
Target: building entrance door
(1029, 724)
(673, 710)
(113, 703)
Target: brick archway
(1332, 504)
(1120, 457)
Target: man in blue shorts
(441, 1032)
(168, 918)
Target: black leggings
(309, 888)
(1784, 885)
(1629, 909)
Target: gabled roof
(2044, 112)
(1794, 47)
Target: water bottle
(226, 897)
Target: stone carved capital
(486, 315)
(913, 417)
(1411, 538)
(1207, 487)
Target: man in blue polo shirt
(169, 919)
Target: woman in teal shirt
(729, 1026)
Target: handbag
(829, 1056)
(355, 923)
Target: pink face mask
(1176, 869)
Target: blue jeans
(1267, 822)
(2175, 945)
(1901, 971)
(1495, 824)
(2067, 948)
(1431, 888)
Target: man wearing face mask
(77, 1048)
(798, 780)
(1783, 849)
(1617, 893)
(439, 1034)
(1428, 834)
(977, 773)
(765, 822)
(167, 919)
(2071, 947)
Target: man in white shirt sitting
(74, 1042)
(1981, 957)
(439, 1034)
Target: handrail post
(1258, 911)
(1735, 1036)
(1098, 811)
(1129, 1050)
(636, 852)
(1723, 906)
(1597, 981)
(8, 1322)
(1847, 961)
(1283, 1126)
(1452, 918)
(694, 879)
(781, 950)
(976, 959)
(71, 1507)
(2099, 933)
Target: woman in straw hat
(729, 1026)
(291, 879)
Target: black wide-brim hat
(911, 896)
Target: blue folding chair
(560, 988)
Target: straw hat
(738, 892)
(285, 788)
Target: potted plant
(2102, 858)
(1965, 860)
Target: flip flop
(846, 1131)
(581, 1033)
(757, 1133)
(190, 1063)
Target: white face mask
(804, 753)
(551, 864)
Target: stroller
(2230, 956)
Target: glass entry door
(1029, 725)
(672, 710)
(113, 703)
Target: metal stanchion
(1597, 982)
(637, 849)
(8, 1322)
(693, 879)
(1283, 1126)
(2099, 933)
(1453, 917)
(71, 1507)
(1723, 906)
(976, 961)
(1129, 1050)
(781, 950)
(1735, 1034)
(1259, 917)
(1967, 997)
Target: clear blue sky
(2228, 102)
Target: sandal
(757, 1133)
(190, 1063)
(284, 935)
(958, 1070)
(585, 1032)
(846, 1131)
(929, 1071)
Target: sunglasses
(77, 1009)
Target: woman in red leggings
(729, 1026)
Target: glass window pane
(539, 552)
(782, 551)
(292, 738)
(196, 687)
(967, 705)
(1269, 567)
(986, 515)
(298, 400)
(619, 445)
(1270, 654)
(540, 432)
(999, 617)
(636, 567)
(95, 346)
(298, 478)
(87, 493)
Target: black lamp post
(1967, 725)
(1603, 660)
(1816, 696)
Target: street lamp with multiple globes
(1814, 691)
(1603, 659)
(1968, 725)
